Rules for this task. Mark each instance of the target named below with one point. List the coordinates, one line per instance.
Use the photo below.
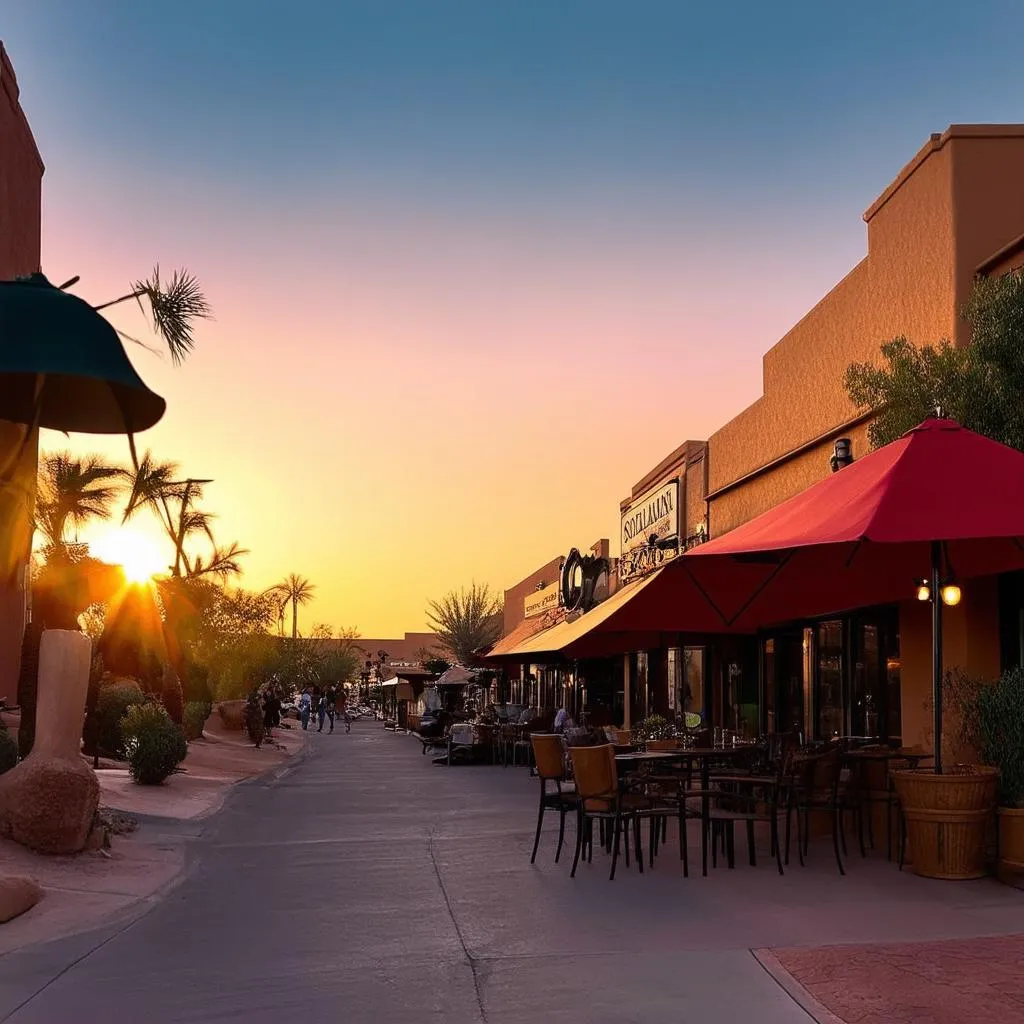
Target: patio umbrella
(63, 366)
(938, 505)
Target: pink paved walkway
(916, 983)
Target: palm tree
(155, 485)
(71, 491)
(222, 563)
(297, 590)
(466, 620)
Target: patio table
(884, 756)
(705, 755)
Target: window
(692, 697)
(830, 679)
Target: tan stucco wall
(970, 634)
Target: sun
(139, 556)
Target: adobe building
(954, 212)
(21, 178)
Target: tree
(296, 590)
(978, 385)
(72, 491)
(466, 620)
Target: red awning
(864, 535)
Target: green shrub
(8, 750)
(154, 744)
(653, 727)
(196, 714)
(999, 711)
(113, 702)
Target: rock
(48, 804)
(16, 896)
(232, 714)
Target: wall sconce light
(540, 585)
(843, 454)
(924, 591)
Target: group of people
(326, 705)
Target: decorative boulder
(48, 801)
(232, 714)
(16, 896)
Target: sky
(475, 267)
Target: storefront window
(786, 676)
(830, 679)
(692, 694)
(642, 699)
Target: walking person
(331, 699)
(305, 708)
(343, 697)
(321, 712)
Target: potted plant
(999, 728)
(653, 727)
(947, 815)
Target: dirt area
(214, 764)
(83, 891)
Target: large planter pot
(946, 818)
(1011, 839)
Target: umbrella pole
(937, 652)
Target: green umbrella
(62, 365)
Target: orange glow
(138, 555)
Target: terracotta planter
(946, 818)
(1011, 839)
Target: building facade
(21, 178)
(955, 211)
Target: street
(367, 884)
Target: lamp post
(938, 591)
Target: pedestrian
(305, 707)
(343, 697)
(330, 708)
(321, 711)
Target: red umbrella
(940, 504)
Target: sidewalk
(90, 888)
(913, 983)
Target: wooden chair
(600, 798)
(549, 757)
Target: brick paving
(948, 982)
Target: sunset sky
(476, 267)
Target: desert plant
(111, 706)
(196, 714)
(154, 744)
(999, 716)
(171, 696)
(8, 750)
(653, 727)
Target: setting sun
(138, 555)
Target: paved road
(366, 884)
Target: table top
(683, 753)
(647, 755)
(888, 755)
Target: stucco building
(21, 177)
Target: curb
(814, 1009)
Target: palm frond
(222, 563)
(175, 306)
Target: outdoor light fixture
(949, 592)
(843, 454)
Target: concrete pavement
(366, 884)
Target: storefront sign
(541, 601)
(655, 514)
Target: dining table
(705, 756)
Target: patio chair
(816, 789)
(460, 743)
(549, 756)
(750, 798)
(600, 798)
